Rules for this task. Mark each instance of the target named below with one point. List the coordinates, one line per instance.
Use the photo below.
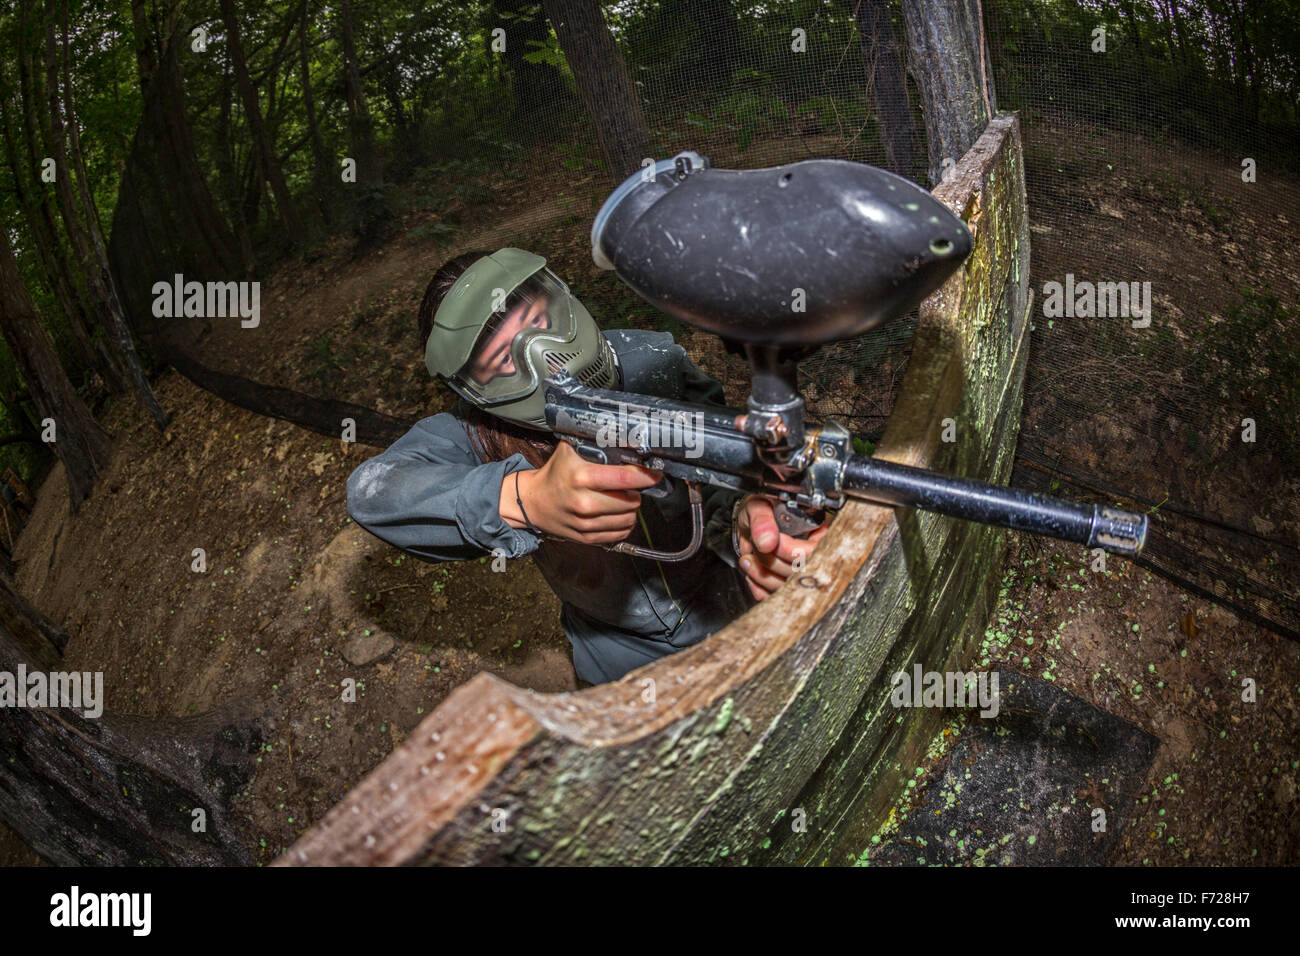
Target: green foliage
(374, 213)
(614, 306)
(846, 116)
(1155, 76)
(327, 363)
(548, 52)
(750, 111)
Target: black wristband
(531, 527)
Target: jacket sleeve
(429, 495)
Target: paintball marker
(778, 262)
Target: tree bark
(270, 166)
(97, 269)
(229, 177)
(1246, 55)
(320, 167)
(163, 200)
(117, 790)
(883, 58)
(1180, 27)
(82, 446)
(603, 82)
(949, 63)
(1135, 35)
(369, 168)
(29, 93)
(56, 147)
(40, 225)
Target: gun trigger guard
(697, 534)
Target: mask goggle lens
(498, 369)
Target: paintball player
(491, 478)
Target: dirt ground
(1222, 789)
(295, 597)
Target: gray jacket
(432, 495)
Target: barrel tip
(1122, 532)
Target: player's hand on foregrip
(572, 498)
(766, 555)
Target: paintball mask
(504, 326)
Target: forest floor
(295, 597)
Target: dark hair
(497, 438)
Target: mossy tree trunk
(950, 64)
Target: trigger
(662, 489)
(592, 453)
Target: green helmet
(506, 324)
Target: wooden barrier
(774, 740)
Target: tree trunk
(720, 34)
(56, 147)
(1180, 27)
(80, 316)
(40, 225)
(97, 270)
(949, 63)
(82, 446)
(604, 83)
(539, 88)
(1247, 55)
(121, 791)
(1135, 35)
(321, 166)
(230, 184)
(18, 616)
(883, 58)
(163, 200)
(270, 166)
(369, 169)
